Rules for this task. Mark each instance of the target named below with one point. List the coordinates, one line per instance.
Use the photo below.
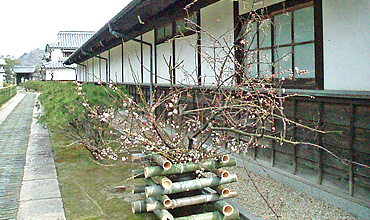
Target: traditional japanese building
(186, 42)
(24, 73)
(57, 53)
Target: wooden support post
(320, 142)
(273, 152)
(351, 150)
(295, 138)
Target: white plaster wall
(116, 64)
(346, 45)
(164, 55)
(56, 54)
(89, 69)
(101, 70)
(132, 70)
(186, 54)
(61, 74)
(148, 37)
(217, 20)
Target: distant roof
(70, 39)
(57, 64)
(24, 69)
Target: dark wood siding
(347, 115)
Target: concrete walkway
(28, 182)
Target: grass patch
(88, 187)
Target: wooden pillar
(351, 150)
(295, 108)
(320, 142)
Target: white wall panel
(116, 64)
(132, 69)
(346, 45)
(186, 56)
(164, 54)
(217, 41)
(148, 37)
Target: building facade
(57, 53)
(320, 48)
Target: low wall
(7, 93)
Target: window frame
(278, 9)
(175, 32)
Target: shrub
(81, 112)
(34, 85)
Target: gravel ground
(286, 201)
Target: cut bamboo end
(166, 183)
(224, 158)
(225, 192)
(167, 203)
(167, 165)
(228, 210)
(162, 161)
(222, 173)
(224, 207)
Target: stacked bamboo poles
(159, 188)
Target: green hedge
(7, 93)
(76, 111)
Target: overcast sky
(29, 24)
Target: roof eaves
(136, 18)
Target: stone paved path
(14, 135)
(29, 188)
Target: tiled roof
(71, 39)
(24, 69)
(57, 64)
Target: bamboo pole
(165, 182)
(138, 173)
(211, 216)
(224, 158)
(166, 201)
(204, 216)
(188, 167)
(162, 161)
(225, 208)
(163, 214)
(138, 207)
(153, 204)
(222, 190)
(139, 189)
(221, 173)
(189, 185)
